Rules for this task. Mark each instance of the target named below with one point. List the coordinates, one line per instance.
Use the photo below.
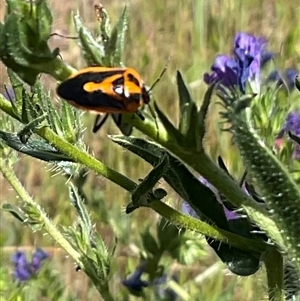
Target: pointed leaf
(169, 127)
(186, 105)
(141, 194)
(188, 114)
(29, 128)
(115, 47)
(29, 111)
(53, 118)
(70, 122)
(80, 208)
(44, 24)
(93, 53)
(172, 232)
(13, 59)
(149, 243)
(203, 112)
(34, 148)
(15, 211)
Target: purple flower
(134, 282)
(288, 77)
(292, 124)
(37, 258)
(256, 48)
(230, 71)
(9, 93)
(24, 269)
(249, 54)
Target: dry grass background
(190, 33)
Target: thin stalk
(48, 226)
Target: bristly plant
(246, 221)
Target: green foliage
(178, 154)
(23, 39)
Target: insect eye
(119, 90)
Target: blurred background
(187, 35)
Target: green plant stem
(103, 290)
(84, 158)
(169, 213)
(182, 220)
(172, 215)
(203, 164)
(274, 267)
(48, 226)
(231, 190)
(57, 68)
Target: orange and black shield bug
(106, 90)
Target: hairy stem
(274, 267)
(48, 226)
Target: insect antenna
(152, 112)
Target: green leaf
(143, 192)
(53, 117)
(29, 128)
(22, 47)
(43, 24)
(115, 47)
(203, 113)
(81, 210)
(31, 50)
(149, 243)
(188, 114)
(14, 59)
(15, 211)
(169, 127)
(165, 229)
(70, 122)
(12, 5)
(33, 147)
(238, 261)
(201, 199)
(185, 102)
(29, 110)
(92, 52)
